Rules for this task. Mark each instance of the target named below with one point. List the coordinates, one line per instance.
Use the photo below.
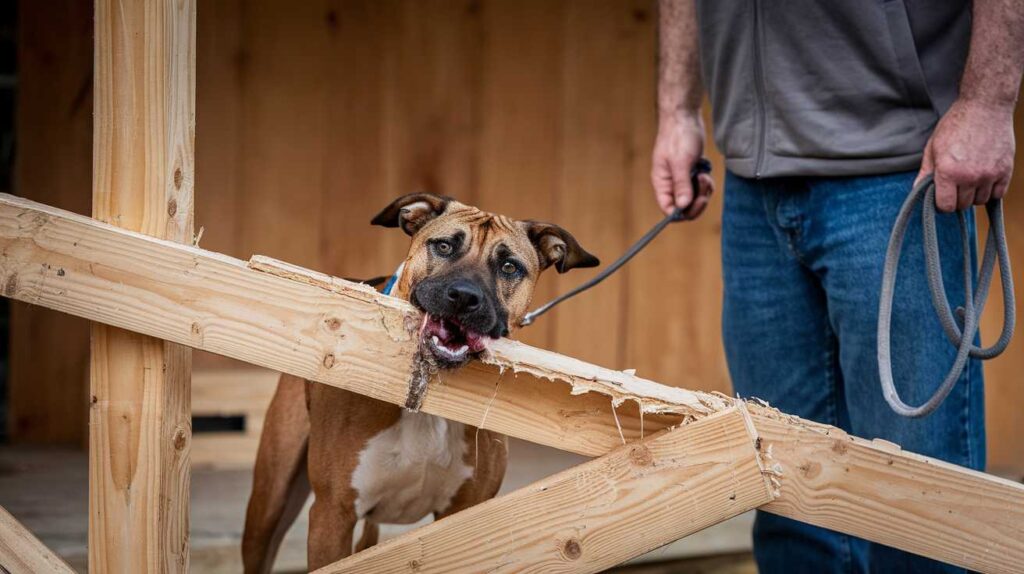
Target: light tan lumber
(224, 450)
(874, 490)
(48, 392)
(229, 392)
(348, 336)
(143, 172)
(595, 515)
(354, 338)
(20, 551)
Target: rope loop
(974, 303)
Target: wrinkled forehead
(483, 232)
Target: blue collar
(393, 280)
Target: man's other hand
(971, 154)
(679, 145)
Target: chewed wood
(595, 515)
(356, 339)
(20, 551)
(361, 341)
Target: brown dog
(472, 273)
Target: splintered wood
(341, 334)
(595, 515)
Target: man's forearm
(996, 58)
(680, 89)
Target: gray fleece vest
(829, 87)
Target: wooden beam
(345, 335)
(595, 515)
(875, 490)
(20, 551)
(351, 337)
(143, 172)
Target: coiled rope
(962, 339)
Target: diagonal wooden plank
(351, 337)
(875, 490)
(330, 331)
(20, 551)
(595, 515)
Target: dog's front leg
(340, 425)
(332, 520)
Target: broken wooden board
(351, 337)
(20, 551)
(875, 490)
(596, 515)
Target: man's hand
(679, 145)
(680, 127)
(971, 154)
(971, 150)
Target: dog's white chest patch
(410, 469)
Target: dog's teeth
(462, 349)
(437, 341)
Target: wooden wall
(313, 115)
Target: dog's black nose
(464, 296)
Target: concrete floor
(47, 491)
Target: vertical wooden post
(143, 165)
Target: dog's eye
(443, 248)
(509, 268)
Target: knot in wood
(180, 439)
(641, 456)
(572, 549)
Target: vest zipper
(760, 90)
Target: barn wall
(311, 116)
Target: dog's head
(471, 272)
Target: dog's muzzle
(460, 318)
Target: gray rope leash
(974, 303)
(702, 166)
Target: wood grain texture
(242, 392)
(48, 391)
(327, 330)
(143, 176)
(874, 490)
(520, 145)
(595, 515)
(595, 162)
(345, 335)
(20, 551)
(487, 98)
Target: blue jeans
(802, 263)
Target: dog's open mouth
(451, 343)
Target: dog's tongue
(475, 341)
(448, 330)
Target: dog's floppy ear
(556, 246)
(411, 212)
